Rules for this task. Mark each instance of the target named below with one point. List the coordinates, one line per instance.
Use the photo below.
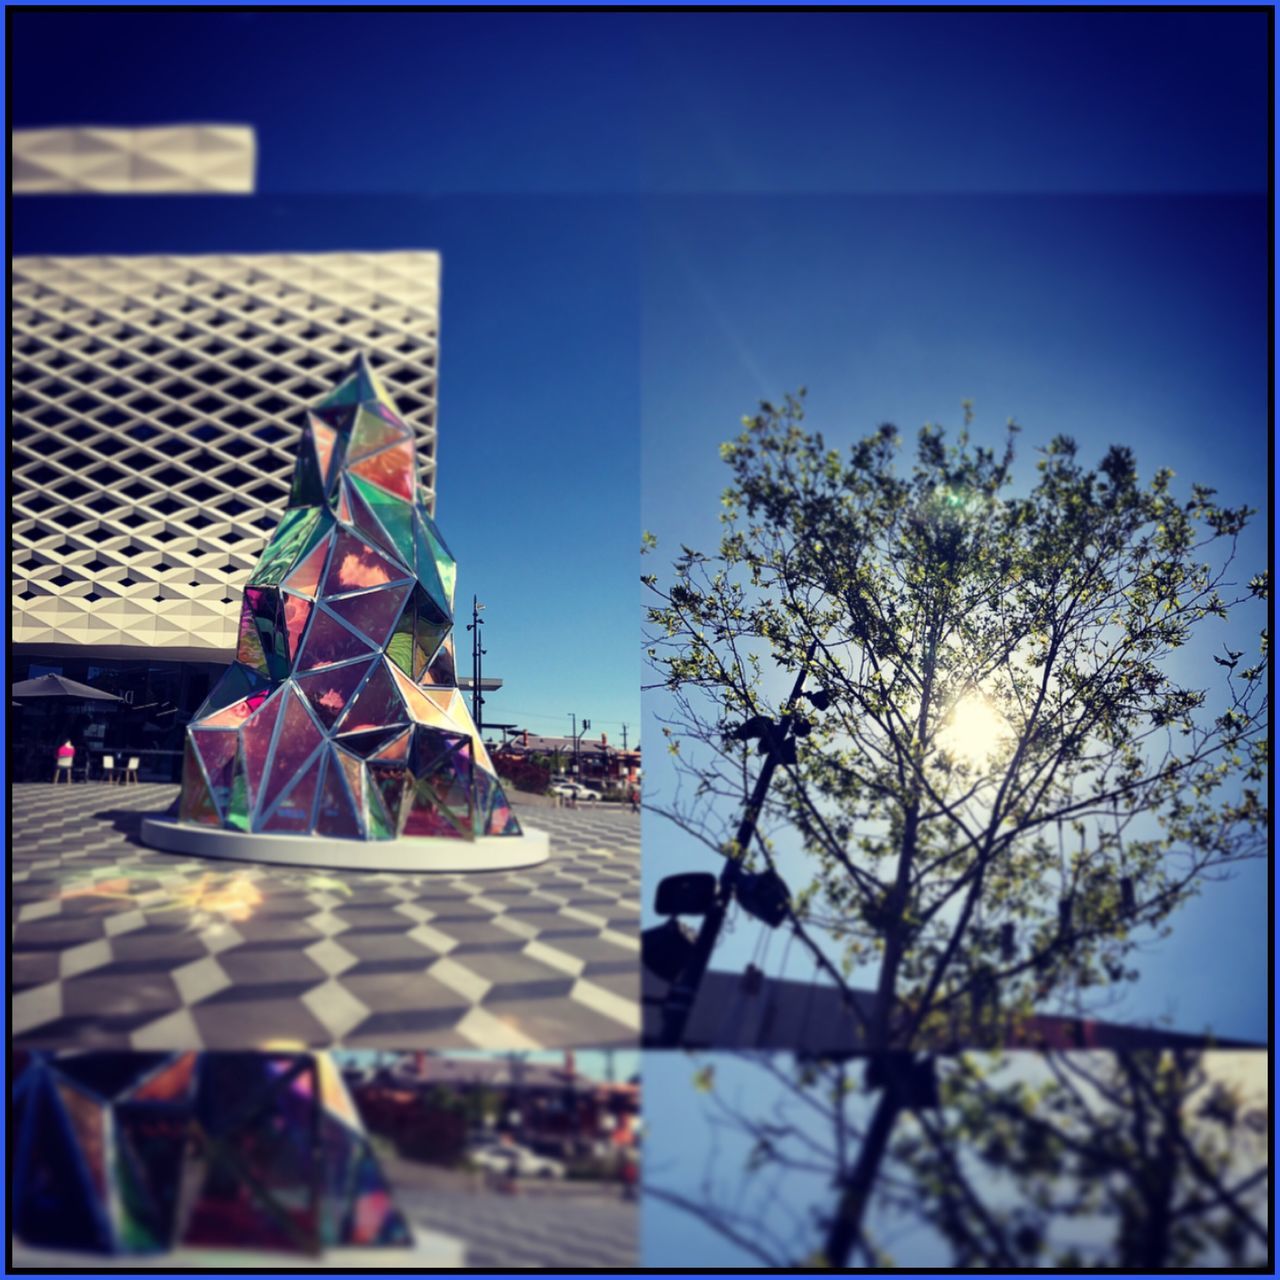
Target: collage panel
(956, 860)
(347, 1160)
(918, 363)
(1137, 1160)
(324, 718)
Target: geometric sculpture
(136, 1153)
(341, 715)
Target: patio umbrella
(60, 687)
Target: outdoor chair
(108, 768)
(63, 770)
(131, 770)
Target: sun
(974, 731)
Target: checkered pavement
(116, 945)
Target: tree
(1139, 1161)
(1162, 1151)
(1000, 768)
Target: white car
(575, 789)
(507, 1157)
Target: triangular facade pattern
(157, 404)
(142, 1153)
(341, 714)
(102, 161)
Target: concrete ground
(544, 1226)
(118, 946)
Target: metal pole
(477, 652)
(624, 737)
(684, 990)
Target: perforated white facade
(156, 404)
(152, 161)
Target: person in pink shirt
(66, 757)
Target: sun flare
(974, 731)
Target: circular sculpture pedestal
(410, 853)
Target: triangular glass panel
(372, 431)
(344, 501)
(441, 600)
(377, 706)
(296, 806)
(53, 1198)
(378, 824)
(366, 519)
(430, 542)
(299, 736)
(237, 814)
(150, 1145)
(372, 613)
(197, 803)
(305, 579)
(339, 417)
(328, 642)
(353, 768)
(346, 395)
(255, 742)
(442, 670)
(249, 650)
(394, 518)
(88, 1120)
(237, 713)
(356, 566)
(330, 690)
(236, 683)
(396, 748)
(337, 815)
(421, 709)
(217, 751)
(173, 1082)
(365, 744)
(297, 613)
(323, 439)
(393, 469)
(291, 539)
(428, 636)
(308, 484)
(391, 781)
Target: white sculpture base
(410, 853)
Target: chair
(64, 769)
(131, 769)
(108, 768)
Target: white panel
(174, 159)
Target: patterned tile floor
(118, 946)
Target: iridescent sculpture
(341, 713)
(140, 1153)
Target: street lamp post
(477, 654)
(684, 990)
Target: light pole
(477, 654)
(683, 991)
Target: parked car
(579, 791)
(510, 1158)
